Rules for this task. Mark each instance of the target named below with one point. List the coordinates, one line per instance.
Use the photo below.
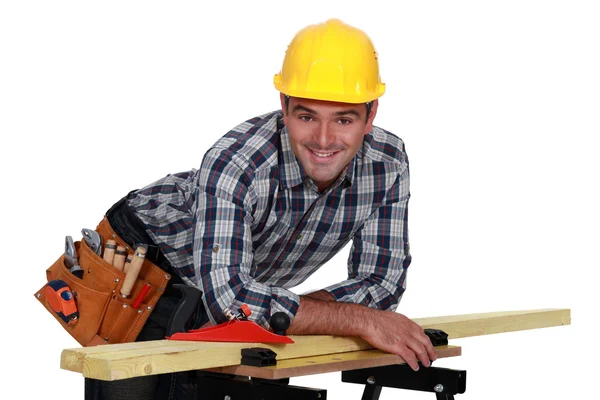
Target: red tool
(232, 331)
(238, 329)
(140, 297)
(61, 300)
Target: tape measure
(62, 301)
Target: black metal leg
(445, 383)
(371, 392)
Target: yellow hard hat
(331, 61)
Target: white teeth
(322, 154)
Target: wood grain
(121, 361)
(460, 326)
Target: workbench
(222, 376)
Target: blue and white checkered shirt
(250, 224)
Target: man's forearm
(385, 330)
(328, 317)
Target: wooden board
(460, 326)
(121, 361)
(327, 363)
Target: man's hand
(385, 330)
(397, 334)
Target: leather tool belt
(104, 315)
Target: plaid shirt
(249, 224)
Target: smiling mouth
(322, 154)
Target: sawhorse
(372, 368)
(445, 383)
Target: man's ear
(369, 126)
(283, 107)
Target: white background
(497, 103)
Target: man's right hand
(397, 334)
(385, 330)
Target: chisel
(134, 269)
(119, 259)
(109, 251)
(127, 263)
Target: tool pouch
(104, 316)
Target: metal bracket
(259, 357)
(445, 383)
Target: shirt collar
(350, 170)
(291, 172)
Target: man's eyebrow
(346, 112)
(300, 107)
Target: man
(282, 193)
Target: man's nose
(324, 136)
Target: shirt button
(299, 237)
(215, 249)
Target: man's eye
(305, 118)
(344, 121)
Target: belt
(133, 231)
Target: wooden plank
(460, 326)
(73, 359)
(121, 361)
(174, 356)
(327, 363)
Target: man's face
(326, 135)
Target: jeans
(176, 386)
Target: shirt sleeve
(380, 255)
(223, 251)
